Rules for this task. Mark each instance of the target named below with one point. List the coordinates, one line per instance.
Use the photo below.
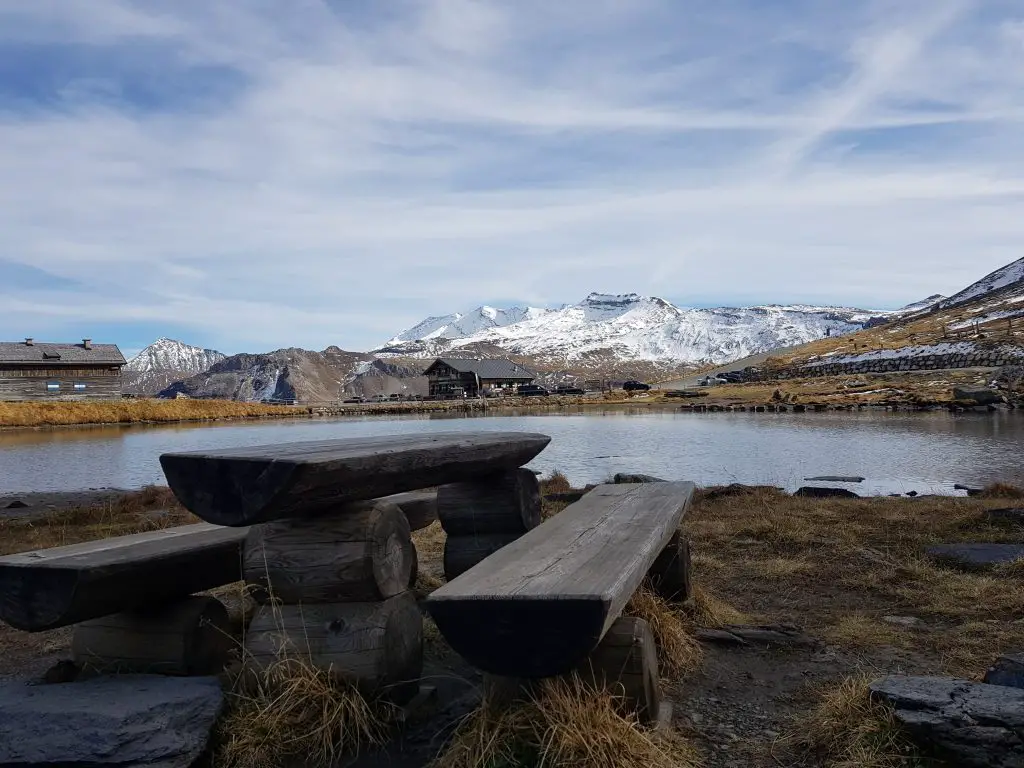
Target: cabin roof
(486, 369)
(45, 353)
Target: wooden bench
(539, 606)
(55, 587)
(258, 484)
(332, 561)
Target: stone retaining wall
(996, 358)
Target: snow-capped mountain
(460, 326)
(630, 327)
(170, 355)
(164, 361)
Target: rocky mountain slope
(163, 362)
(983, 321)
(607, 328)
(300, 374)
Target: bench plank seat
(256, 484)
(55, 587)
(540, 605)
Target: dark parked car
(568, 391)
(531, 390)
(636, 386)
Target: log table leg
(191, 636)
(482, 516)
(625, 663)
(336, 593)
(670, 576)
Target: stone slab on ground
(763, 634)
(980, 395)
(976, 556)
(625, 477)
(814, 492)
(835, 479)
(1008, 670)
(972, 724)
(144, 720)
(1006, 515)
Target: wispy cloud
(309, 173)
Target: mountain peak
(170, 355)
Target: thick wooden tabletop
(538, 606)
(255, 484)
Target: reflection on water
(896, 452)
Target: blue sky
(248, 176)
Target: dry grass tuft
(557, 483)
(848, 730)
(678, 649)
(62, 413)
(709, 611)
(859, 631)
(1002, 491)
(564, 723)
(291, 710)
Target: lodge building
(44, 371)
(460, 377)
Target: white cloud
(363, 169)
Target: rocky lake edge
(813, 598)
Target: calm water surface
(895, 452)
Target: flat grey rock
(971, 724)
(980, 395)
(835, 479)
(623, 477)
(1006, 515)
(976, 556)
(1008, 670)
(764, 634)
(825, 493)
(143, 720)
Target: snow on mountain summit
(458, 325)
(165, 355)
(633, 327)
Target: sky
(249, 176)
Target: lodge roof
(495, 368)
(45, 353)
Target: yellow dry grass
(562, 723)
(678, 649)
(292, 710)
(151, 508)
(848, 730)
(62, 413)
(839, 566)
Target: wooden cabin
(43, 371)
(459, 377)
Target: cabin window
(79, 386)
(52, 386)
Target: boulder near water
(138, 720)
(980, 395)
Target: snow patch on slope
(632, 327)
(919, 350)
(1001, 278)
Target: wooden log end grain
(376, 646)
(189, 637)
(361, 553)
(505, 502)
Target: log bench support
(625, 663)
(190, 636)
(335, 591)
(483, 515)
(670, 576)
